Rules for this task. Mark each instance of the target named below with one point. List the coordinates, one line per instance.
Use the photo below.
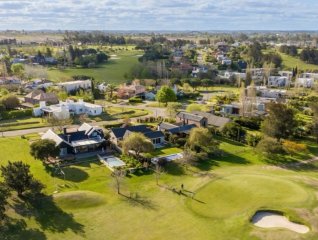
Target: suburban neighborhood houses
(185, 133)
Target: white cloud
(158, 15)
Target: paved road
(154, 112)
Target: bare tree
(59, 124)
(118, 176)
(188, 159)
(158, 172)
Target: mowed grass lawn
(23, 123)
(290, 62)
(111, 72)
(87, 206)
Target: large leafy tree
(165, 95)
(4, 194)
(234, 131)
(43, 149)
(17, 177)
(17, 69)
(138, 143)
(281, 121)
(201, 140)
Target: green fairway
(290, 62)
(235, 186)
(111, 72)
(240, 194)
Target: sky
(195, 15)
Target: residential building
(119, 134)
(176, 129)
(37, 96)
(263, 91)
(230, 109)
(38, 84)
(278, 81)
(313, 76)
(83, 140)
(75, 85)
(213, 120)
(127, 91)
(63, 110)
(288, 74)
(304, 82)
(10, 81)
(189, 118)
(226, 61)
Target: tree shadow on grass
(174, 168)
(138, 201)
(231, 158)
(70, 173)
(13, 229)
(47, 214)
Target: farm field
(111, 72)
(217, 202)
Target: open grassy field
(24, 123)
(227, 190)
(111, 72)
(290, 62)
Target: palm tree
(110, 90)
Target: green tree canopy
(200, 139)
(17, 69)
(281, 121)
(165, 95)
(138, 143)
(17, 177)
(4, 194)
(43, 149)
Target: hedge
(135, 100)
(16, 114)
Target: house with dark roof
(119, 134)
(188, 118)
(85, 139)
(176, 129)
(213, 120)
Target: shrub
(269, 146)
(292, 147)
(253, 139)
(135, 100)
(16, 114)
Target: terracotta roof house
(128, 91)
(189, 118)
(38, 96)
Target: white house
(278, 81)
(228, 74)
(102, 87)
(226, 61)
(76, 85)
(288, 74)
(304, 82)
(63, 110)
(313, 76)
(264, 92)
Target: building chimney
(68, 138)
(64, 130)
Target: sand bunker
(267, 219)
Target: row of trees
(309, 55)
(289, 50)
